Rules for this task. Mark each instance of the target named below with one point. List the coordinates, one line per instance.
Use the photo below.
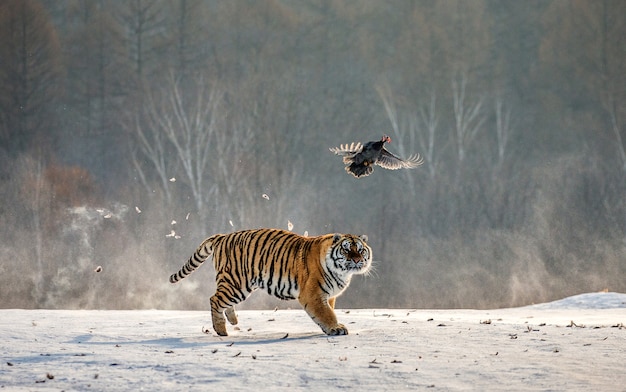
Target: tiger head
(351, 254)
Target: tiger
(313, 270)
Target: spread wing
(348, 151)
(389, 161)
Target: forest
(132, 130)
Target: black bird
(360, 159)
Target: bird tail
(359, 169)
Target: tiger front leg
(322, 313)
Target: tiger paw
(219, 325)
(340, 329)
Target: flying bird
(360, 158)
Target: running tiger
(314, 270)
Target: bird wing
(347, 149)
(389, 161)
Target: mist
(124, 157)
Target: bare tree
(430, 120)
(401, 131)
(410, 126)
(187, 127)
(192, 131)
(468, 117)
(231, 172)
(386, 95)
(589, 42)
(618, 137)
(610, 69)
(36, 195)
(152, 147)
(503, 128)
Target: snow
(578, 343)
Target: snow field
(575, 344)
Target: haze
(130, 131)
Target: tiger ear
(363, 237)
(336, 238)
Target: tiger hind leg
(231, 315)
(223, 305)
(217, 316)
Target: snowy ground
(575, 344)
